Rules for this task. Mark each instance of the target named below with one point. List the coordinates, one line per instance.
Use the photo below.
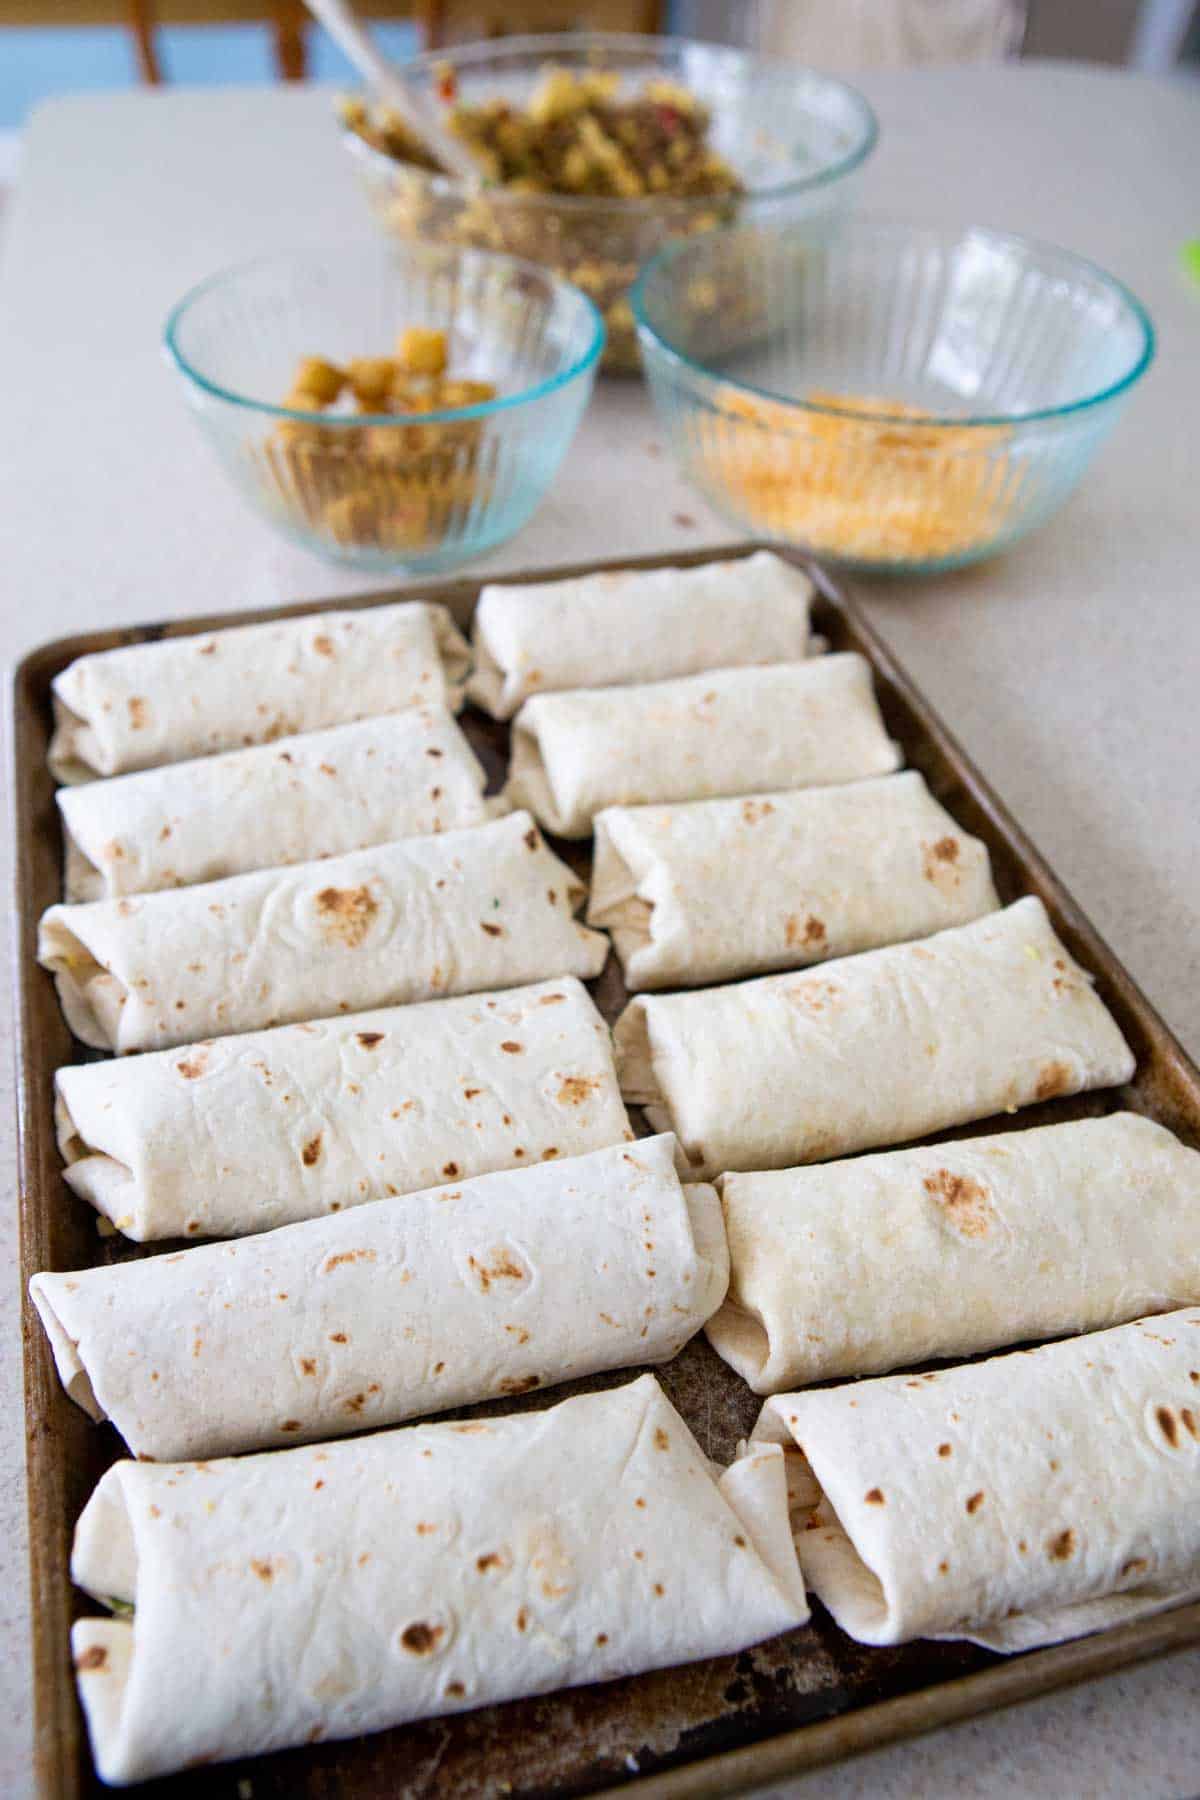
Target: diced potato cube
(421, 350)
(556, 96)
(317, 379)
(370, 378)
(465, 393)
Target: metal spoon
(346, 31)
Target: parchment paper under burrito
(324, 793)
(731, 731)
(712, 889)
(873, 1049)
(853, 1268)
(1016, 1502)
(458, 913)
(635, 625)
(147, 704)
(245, 1133)
(461, 1293)
(321, 1593)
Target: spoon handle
(347, 32)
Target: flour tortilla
(854, 1268)
(1016, 1502)
(465, 1292)
(148, 704)
(711, 890)
(874, 1049)
(245, 1133)
(462, 912)
(407, 774)
(635, 625)
(448, 1566)
(731, 731)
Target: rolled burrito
(732, 731)
(875, 1049)
(635, 625)
(1017, 1502)
(856, 1267)
(459, 913)
(148, 704)
(328, 1592)
(713, 889)
(404, 775)
(468, 1292)
(246, 1133)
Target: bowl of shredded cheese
(890, 397)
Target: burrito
(495, 1286)
(459, 913)
(857, 1267)
(246, 1133)
(875, 1049)
(147, 704)
(1017, 1502)
(635, 625)
(323, 1593)
(405, 775)
(732, 731)
(714, 889)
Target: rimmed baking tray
(798, 1701)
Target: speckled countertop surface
(1069, 668)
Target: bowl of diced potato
(388, 406)
(595, 149)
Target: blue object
(418, 491)
(1018, 356)
(38, 62)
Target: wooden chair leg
(141, 25)
(291, 51)
(431, 22)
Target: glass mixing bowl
(413, 490)
(796, 139)
(887, 396)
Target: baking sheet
(798, 1701)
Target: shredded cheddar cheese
(870, 489)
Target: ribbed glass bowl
(889, 397)
(796, 138)
(416, 491)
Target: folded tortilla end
(618, 904)
(75, 754)
(755, 1487)
(635, 1062)
(102, 1651)
(708, 1233)
(528, 786)
(455, 655)
(741, 1340)
(487, 686)
(67, 1360)
(91, 997)
(109, 1186)
(82, 880)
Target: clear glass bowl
(795, 137)
(392, 490)
(890, 397)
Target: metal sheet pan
(809, 1698)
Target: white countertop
(1069, 668)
